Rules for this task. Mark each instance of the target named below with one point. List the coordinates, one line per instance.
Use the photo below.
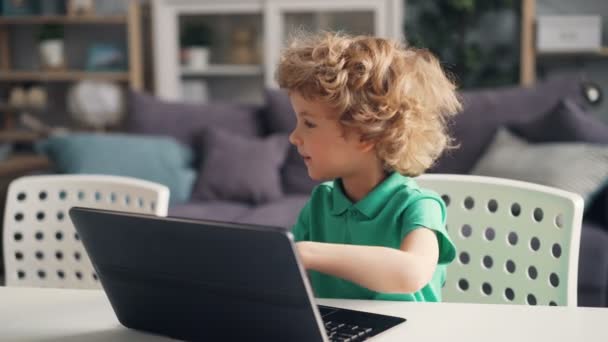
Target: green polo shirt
(384, 217)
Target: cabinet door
(283, 18)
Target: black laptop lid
(199, 280)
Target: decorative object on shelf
(96, 104)
(105, 57)
(36, 97)
(569, 33)
(19, 7)
(195, 40)
(28, 95)
(37, 128)
(243, 46)
(17, 97)
(80, 7)
(50, 43)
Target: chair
(41, 246)
(517, 242)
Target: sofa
(243, 169)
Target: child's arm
(380, 269)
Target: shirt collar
(374, 201)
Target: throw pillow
(156, 159)
(236, 168)
(279, 117)
(567, 122)
(485, 110)
(183, 121)
(581, 168)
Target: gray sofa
(541, 113)
(247, 172)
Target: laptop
(210, 281)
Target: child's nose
(294, 139)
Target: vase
(196, 57)
(52, 54)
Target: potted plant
(195, 40)
(50, 44)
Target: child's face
(328, 151)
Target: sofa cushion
(567, 122)
(279, 117)
(209, 210)
(157, 159)
(282, 213)
(236, 168)
(183, 121)
(581, 168)
(484, 111)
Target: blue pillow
(157, 159)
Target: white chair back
(41, 246)
(517, 242)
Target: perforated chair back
(41, 246)
(517, 242)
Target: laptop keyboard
(346, 332)
(349, 325)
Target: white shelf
(224, 70)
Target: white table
(28, 314)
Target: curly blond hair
(395, 96)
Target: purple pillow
(484, 111)
(568, 122)
(279, 117)
(183, 121)
(237, 168)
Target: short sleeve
(301, 230)
(430, 212)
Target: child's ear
(366, 145)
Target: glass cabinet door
(352, 22)
(221, 57)
(285, 18)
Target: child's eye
(309, 124)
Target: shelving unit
(227, 70)
(529, 54)
(63, 75)
(602, 52)
(132, 21)
(63, 19)
(132, 77)
(270, 22)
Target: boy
(371, 115)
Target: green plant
(476, 40)
(50, 31)
(195, 35)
